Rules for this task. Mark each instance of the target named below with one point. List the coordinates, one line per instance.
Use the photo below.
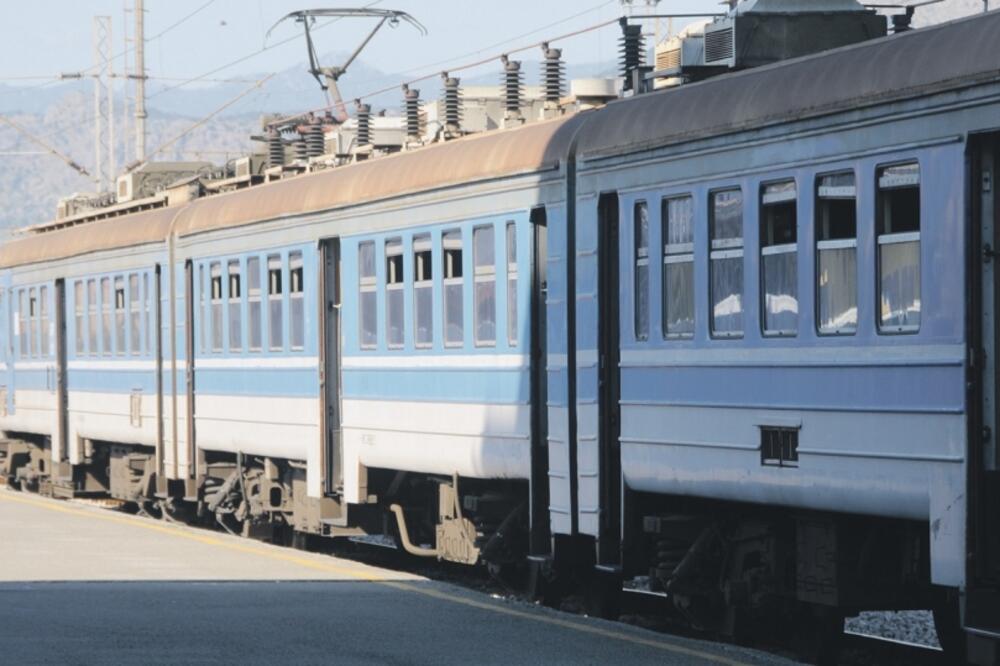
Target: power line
(49, 149)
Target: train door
(189, 377)
(329, 367)
(609, 380)
(982, 617)
(157, 339)
(60, 446)
(540, 532)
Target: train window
(253, 304)
(296, 301)
(120, 315)
(215, 304)
(779, 258)
(79, 315)
(367, 296)
(454, 325)
(726, 263)
(423, 292)
(148, 309)
(512, 284)
(93, 318)
(898, 230)
(134, 315)
(203, 309)
(43, 322)
(394, 324)
(33, 321)
(107, 313)
(677, 215)
(235, 305)
(275, 289)
(836, 255)
(22, 323)
(485, 279)
(640, 218)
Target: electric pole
(105, 169)
(140, 83)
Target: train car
(731, 342)
(783, 348)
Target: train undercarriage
(744, 573)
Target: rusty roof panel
(531, 148)
(150, 226)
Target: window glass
(148, 300)
(726, 263)
(79, 315)
(484, 259)
(779, 258)
(641, 222)
(235, 304)
(394, 325)
(135, 314)
(202, 289)
(677, 216)
(836, 255)
(296, 301)
(22, 323)
(898, 229)
(454, 334)
(367, 297)
(93, 322)
(423, 292)
(512, 284)
(107, 312)
(215, 274)
(120, 346)
(275, 289)
(33, 322)
(253, 303)
(44, 349)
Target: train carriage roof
(921, 62)
(151, 226)
(907, 65)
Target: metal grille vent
(719, 45)
(668, 59)
(779, 447)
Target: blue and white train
(735, 339)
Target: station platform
(85, 585)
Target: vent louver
(719, 46)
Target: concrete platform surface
(83, 585)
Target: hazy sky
(46, 37)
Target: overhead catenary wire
(48, 148)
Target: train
(733, 342)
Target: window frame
(640, 260)
(367, 284)
(234, 334)
(423, 244)
(296, 292)
(726, 248)
(676, 253)
(254, 324)
(510, 249)
(485, 273)
(448, 262)
(897, 238)
(835, 244)
(275, 266)
(774, 249)
(395, 288)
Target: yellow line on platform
(275, 553)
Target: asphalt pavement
(84, 585)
